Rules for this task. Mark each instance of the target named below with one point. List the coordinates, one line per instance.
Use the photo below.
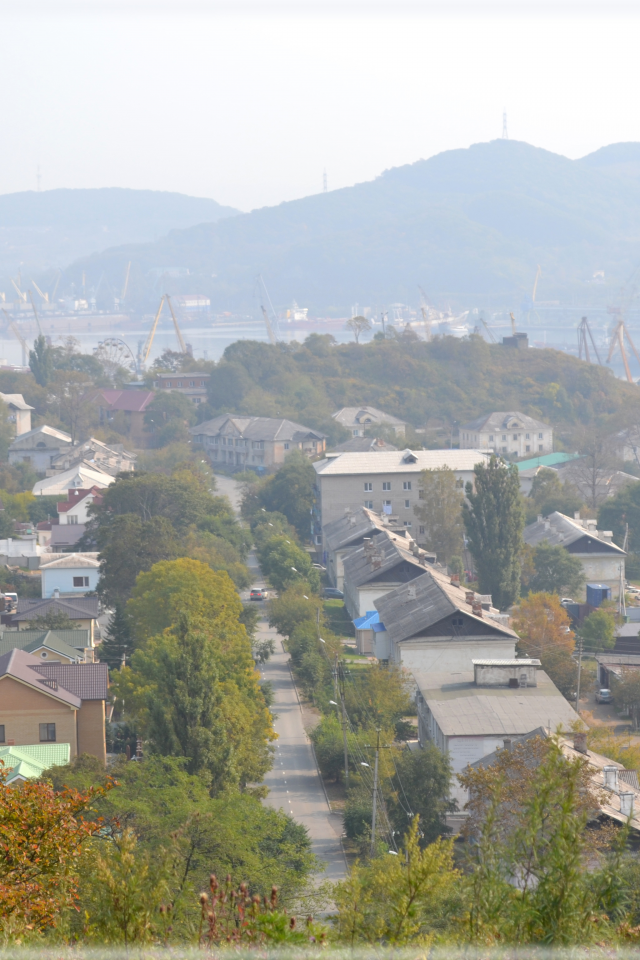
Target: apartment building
(191, 385)
(384, 482)
(511, 434)
(255, 443)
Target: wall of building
(523, 443)
(463, 751)
(62, 580)
(91, 723)
(360, 599)
(23, 709)
(601, 569)
(448, 656)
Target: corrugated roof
(71, 561)
(501, 420)
(134, 401)
(414, 607)
(560, 530)
(349, 416)
(23, 667)
(73, 638)
(38, 431)
(16, 400)
(76, 608)
(80, 475)
(387, 554)
(355, 525)
(88, 681)
(348, 464)
(547, 460)
(257, 428)
(46, 640)
(364, 445)
(462, 709)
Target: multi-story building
(512, 434)
(255, 443)
(39, 447)
(359, 419)
(19, 411)
(192, 385)
(387, 483)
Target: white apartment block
(385, 482)
(512, 434)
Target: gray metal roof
(76, 608)
(386, 553)
(504, 420)
(47, 639)
(73, 638)
(399, 461)
(557, 529)
(462, 709)
(364, 445)
(351, 527)
(256, 428)
(363, 415)
(517, 662)
(88, 681)
(412, 608)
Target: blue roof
(378, 627)
(366, 622)
(548, 460)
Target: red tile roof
(75, 496)
(135, 401)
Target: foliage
(290, 492)
(618, 511)
(53, 620)
(543, 625)
(440, 511)
(626, 691)
(128, 546)
(118, 640)
(493, 520)
(328, 744)
(555, 570)
(378, 696)
(168, 417)
(398, 900)
(292, 607)
(42, 833)
(284, 563)
(420, 782)
(548, 494)
(358, 326)
(598, 630)
(41, 361)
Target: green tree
(129, 545)
(421, 784)
(168, 417)
(41, 361)
(555, 570)
(358, 326)
(493, 520)
(549, 494)
(293, 607)
(618, 511)
(598, 630)
(440, 511)
(290, 492)
(54, 620)
(284, 563)
(626, 690)
(118, 641)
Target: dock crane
(22, 295)
(126, 281)
(35, 312)
(617, 340)
(143, 355)
(45, 296)
(488, 329)
(23, 343)
(272, 327)
(182, 344)
(584, 331)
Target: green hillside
(437, 383)
(470, 226)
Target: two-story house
(359, 419)
(129, 406)
(345, 534)
(81, 611)
(39, 447)
(511, 434)
(69, 574)
(383, 562)
(191, 385)
(255, 443)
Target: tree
(493, 519)
(555, 570)
(549, 494)
(440, 511)
(542, 624)
(284, 563)
(168, 417)
(129, 545)
(591, 472)
(118, 641)
(421, 786)
(618, 511)
(290, 492)
(358, 326)
(626, 691)
(69, 393)
(41, 361)
(598, 630)
(53, 620)
(293, 607)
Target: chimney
(610, 774)
(576, 515)
(56, 594)
(412, 591)
(507, 743)
(455, 579)
(469, 596)
(540, 518)
(476, 608)
(415, 549)
(626, 804)
(580, 742)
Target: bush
(328, 744)
(357, 818)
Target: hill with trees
(469, 223)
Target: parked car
(258, 593)
(318, 566)
(604, 696)
(332, 593)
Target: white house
(358, 419)
(75, 509)
(19, 412)
(69, 574)
(39, 447)
(344, 535)
(513, 434)
(81, 476)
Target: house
(73, 516)
(367, 628)
(95, 455)
(69, 574)
(363, 445)
(359, 419)
(529, 469)
(387, 483)
(19, 412)
(343, 535)
(468, 714)
(602, 561)
(191, 385)
(39, 447)
(53, 703)
(80, 477)
(30, 761)
(513, 434)
(65, 646)
(433, 624)
(255, 443)
(82, 611)
(21, 551)
(126, 408)
(383, 562)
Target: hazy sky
(249, 102)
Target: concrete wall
(463, 751)
(601, 569)
(91, 736)
(23, 709)
(360, 599)
(446, 655)
(62, 580)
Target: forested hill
(49, 229)
(469, 225)
(443, 381)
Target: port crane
(617, 340)
(22, 295)
(45, 296)
(126, 281)
(272, 328)
(488, 329)
(35, 312)
(584, 331)
(23, 343)
(143, 356)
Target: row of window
(47, 733)
(516, 436)
(386, 485)
(179, 383)
(386, 504)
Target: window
(407, 504)
(515, 436)
(528, 448)
(168, 383)
(406, 485)
(539, 436)
(386, 485)
(421, 529)
(355, 433)
(2, 739)
(81, 581)
(386, 506)
(526, 436)
(504, 449)
(504, 436)
(286, 446)
(47, 733)
(72, 519)
(540, 446)
(420, 494)
(457, 621)
(368, 487)
(196, 399)
(407, 523)
(490, 436)
(192, 383)
(369, 504)
(179, 383)
(202, 383)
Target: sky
(249, 102)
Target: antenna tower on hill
(505, 135)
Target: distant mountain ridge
(51, 228)
(468, 223)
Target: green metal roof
(31, 760)
(75, 638)
(548, 460)
(41, 640)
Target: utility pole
(579, 674)
(344, 735)
(375, 796)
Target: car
(604, 696)
(258, 593)
(332, 593)
(318, 566)
(566, 600)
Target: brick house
(130, 404)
